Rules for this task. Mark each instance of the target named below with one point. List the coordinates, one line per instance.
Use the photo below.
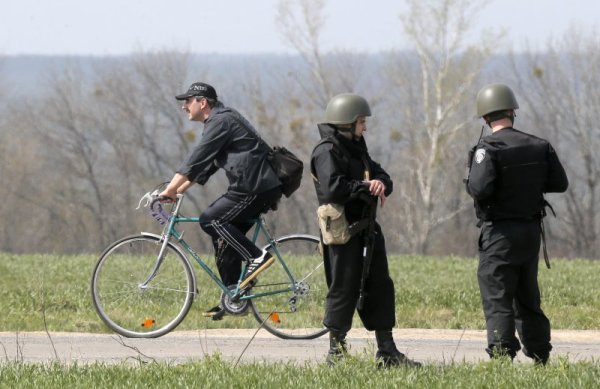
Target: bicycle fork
(165, 242)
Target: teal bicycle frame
(236, 293)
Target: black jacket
(510, 172)
(231, 143)
(338, 166)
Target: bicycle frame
(236, 293)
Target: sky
(116, 27)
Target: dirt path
(430, 346)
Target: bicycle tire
(296, 313)
(127, 306)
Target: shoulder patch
(479, 155)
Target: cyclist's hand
(168, 196)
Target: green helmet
(495, 97)
(346, 108)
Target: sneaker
(256, 266)
(386, 360)
(216, 313)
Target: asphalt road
(428, 346)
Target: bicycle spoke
(297, 312)
(131, 309)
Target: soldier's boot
(387, 354)
(337, 347)
(539, 359)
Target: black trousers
(343, 269)
(227, 220)
(507, 275)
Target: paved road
(433, 346)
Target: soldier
(342, 169)
(509, 173)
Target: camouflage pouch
(333, 224)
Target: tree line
(76, 155)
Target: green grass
(431, 292)
(356, 372)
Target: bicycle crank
(234, 307)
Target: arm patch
(479, 155)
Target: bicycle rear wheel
(292, 306)
(135, 297)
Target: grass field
(357, 372)
(431, 292)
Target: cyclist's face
(193, 107)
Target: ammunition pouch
(333, 224)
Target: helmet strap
(353, 132)
(348, 130)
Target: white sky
(108, 27)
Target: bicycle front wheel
(289, 297)
(137, 295)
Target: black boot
(337, 347)
(539, 358)
(387, 353)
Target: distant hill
(26, 74)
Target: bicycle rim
(296, 311)
(131, 299)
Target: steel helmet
(346, 108)
(495, 97)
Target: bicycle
(143, 286)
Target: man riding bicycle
(231, 143)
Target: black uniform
(231, 143)
(339, 166)
(510, 172)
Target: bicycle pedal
(219, 315)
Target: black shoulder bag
(287, 166)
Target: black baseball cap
(200, 89)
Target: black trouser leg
(343, 264)
(507, 276)
(532, 324)
(343, 267)
(379, 310)
(498, 277)
(227, 219)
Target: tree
(561, 93)
(301, 23)
(300, 104)
(435, 99)
(105, 137)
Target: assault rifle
(369, 214)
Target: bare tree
(561, 91)
(300, 105)
(301, 23)
(99, 139)
(434, 94)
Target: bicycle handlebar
(153, 201)
(158, 212)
